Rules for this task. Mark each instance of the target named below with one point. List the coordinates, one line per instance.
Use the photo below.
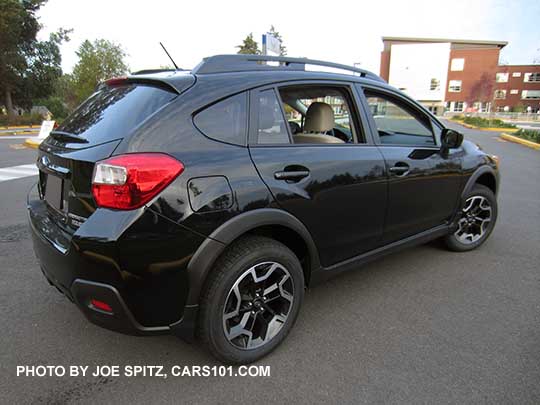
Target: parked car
(187, 202)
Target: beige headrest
(319, 118)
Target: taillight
(126, 182)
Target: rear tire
(251, 300)
(476, 220)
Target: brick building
(459, 75)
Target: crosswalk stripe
(17, 172)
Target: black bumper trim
(121, 320)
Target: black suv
(202, 203)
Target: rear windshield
(113, 111)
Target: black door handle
(400, 169)
(295, 175)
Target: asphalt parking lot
(421, 326)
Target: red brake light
(116, 81)
(126, 182)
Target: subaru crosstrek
(202, 203)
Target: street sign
(271, 45)
(46, 128)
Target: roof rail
(248, 63)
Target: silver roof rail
(248, 63)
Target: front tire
(251, 300)
(475, 221)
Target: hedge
(17, 120)
(528, 134)
(483, 122)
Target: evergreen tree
(249, 46)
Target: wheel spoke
(236, 309)
(268, 290)
(240, 329)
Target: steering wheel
(295, 127)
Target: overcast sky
(339, 31)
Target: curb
(32, 143)
(16, 132)
(524, 142)
(21, 126)
(511, 130)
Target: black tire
(229, 271)
(453, 241)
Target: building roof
(500, 44)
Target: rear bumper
(145, 288)
(120, 319)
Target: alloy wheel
(475, 219)
(258, 305)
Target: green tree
(27, 66)
(55, 105)
(64, 89)
(275, 34)
(249, 46)
(98, 61)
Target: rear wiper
(61, 135)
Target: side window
(271, 129)
(225, 121)
(319, 114)
(397, 123)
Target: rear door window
(272, 126)
(113, 112)
(225, 121)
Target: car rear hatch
(91, 133)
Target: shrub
(16, 120)
(529, 135)
(55, 105)
(486, 123)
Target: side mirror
(450, 139)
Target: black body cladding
(356, 202)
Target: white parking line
(17, 172)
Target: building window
(435, 84)
(514, 91)
(485, 107)
(500, 94)
(458, 106)
(457, 64)
(454, 86)
(501, 77)
(531, 77)
(530, 95)
(516, 74)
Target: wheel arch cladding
(270, 222)
(484, 175)
(488, 180)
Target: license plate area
(54, 192)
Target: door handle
(293, 175)
(400, 169)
